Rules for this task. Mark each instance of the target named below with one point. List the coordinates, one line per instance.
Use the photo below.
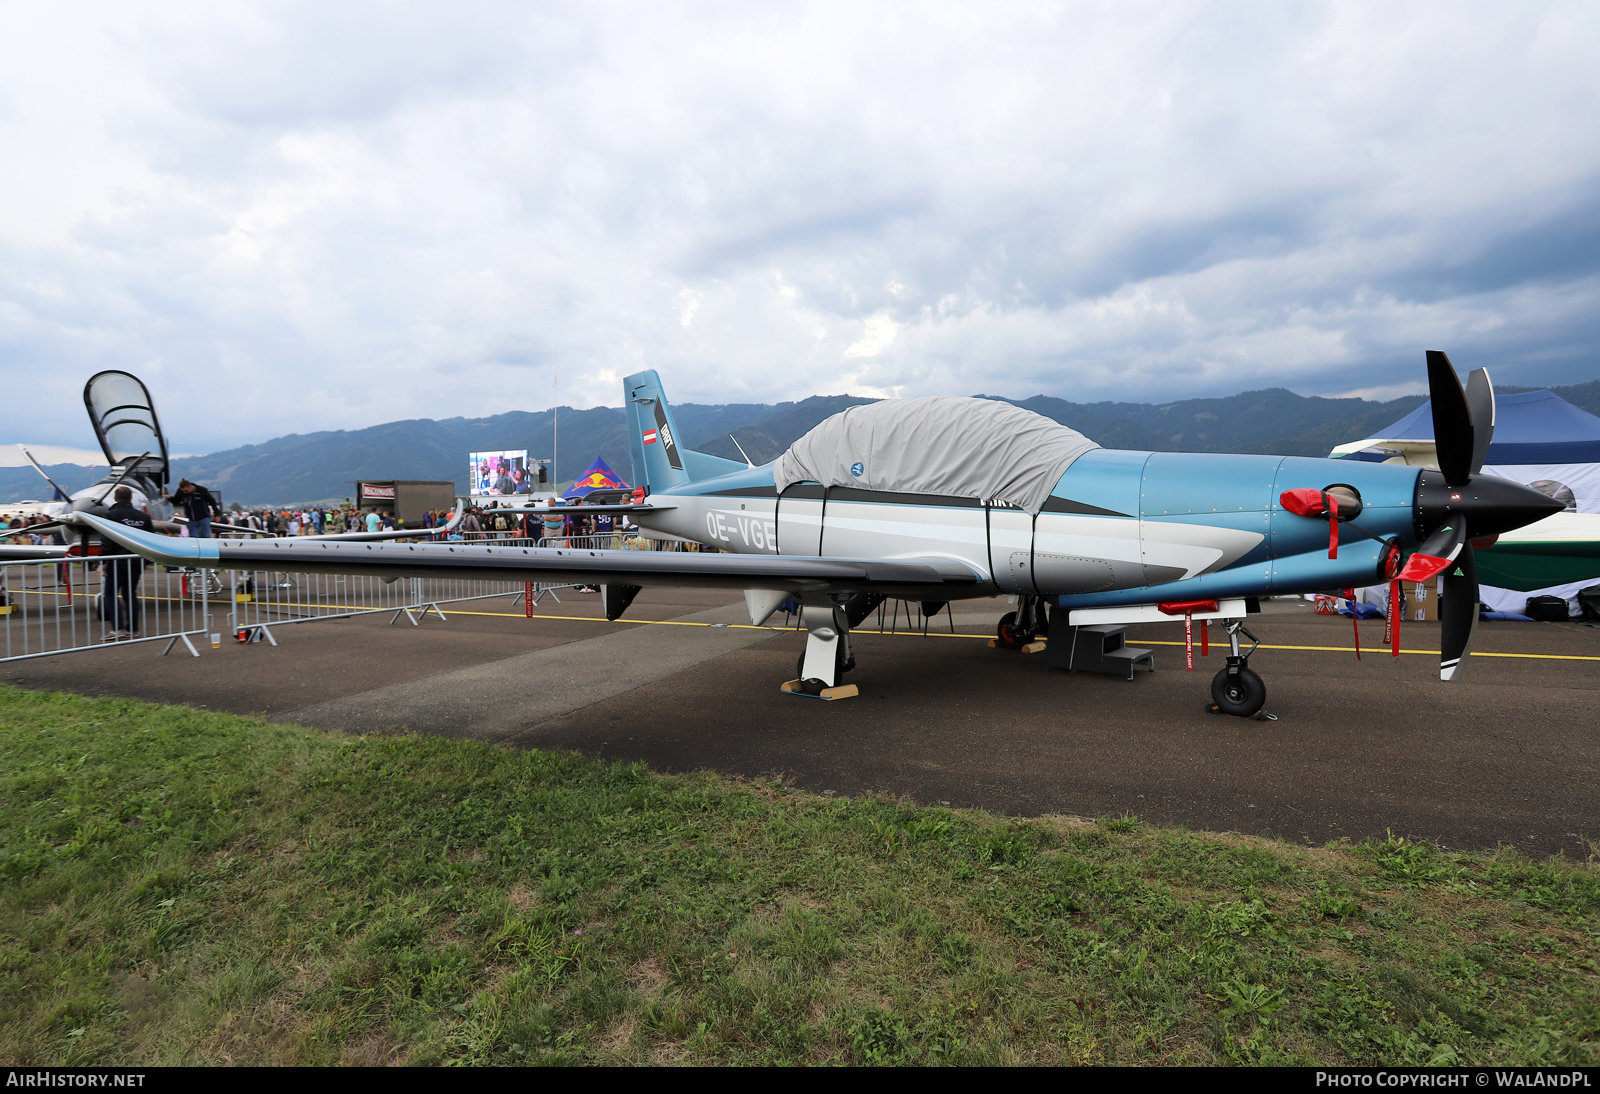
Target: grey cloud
(388, 211)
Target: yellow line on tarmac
(946, 634)
(1385, 649)
(274, 607)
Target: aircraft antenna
(740, 447)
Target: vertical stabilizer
(660, 461)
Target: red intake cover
(1420, 567)
(1304, 502)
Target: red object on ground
(527, 600)
(1187, 607)
(1205, 638)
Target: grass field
(181, 886)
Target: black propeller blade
(1463, 426)
(1458, 613)
(1445, 544)
(1452, 420)
(1448, 553)
(1480, 403)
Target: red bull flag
(598, 477)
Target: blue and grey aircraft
(935, 500)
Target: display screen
(496, 473)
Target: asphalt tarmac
(1508, 756)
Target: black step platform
(1095, 649)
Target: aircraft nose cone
(1492, 505)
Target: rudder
(660, 461)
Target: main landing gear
(827, 655)
(1237, 690)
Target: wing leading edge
(926, 578)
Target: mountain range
(318, 467)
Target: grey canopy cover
(941, 444)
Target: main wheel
(1009, 635)
(1241, 695)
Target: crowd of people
(537, 524)
(206, 519)
(14, 528)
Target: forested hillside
(323, 466)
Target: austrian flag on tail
(649, 436)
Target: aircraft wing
(30, 552)
(920, 578)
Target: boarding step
(1100, 648)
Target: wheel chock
(844, 691)
(1258, 716)
(1036, 646)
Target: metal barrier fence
(261, 600)
(86, 603)
(100, 602)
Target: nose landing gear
(1238, 690)
(1022, 626)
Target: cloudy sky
(298, 216)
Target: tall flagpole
(555, 428)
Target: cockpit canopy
(942, 444)
(124, 418)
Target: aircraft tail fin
(660, 461)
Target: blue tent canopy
(1530, 427)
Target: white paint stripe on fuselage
(887, 531)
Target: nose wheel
(1237, 689)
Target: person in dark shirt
(195, 502)
(121, 576)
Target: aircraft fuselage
(1117, 525)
